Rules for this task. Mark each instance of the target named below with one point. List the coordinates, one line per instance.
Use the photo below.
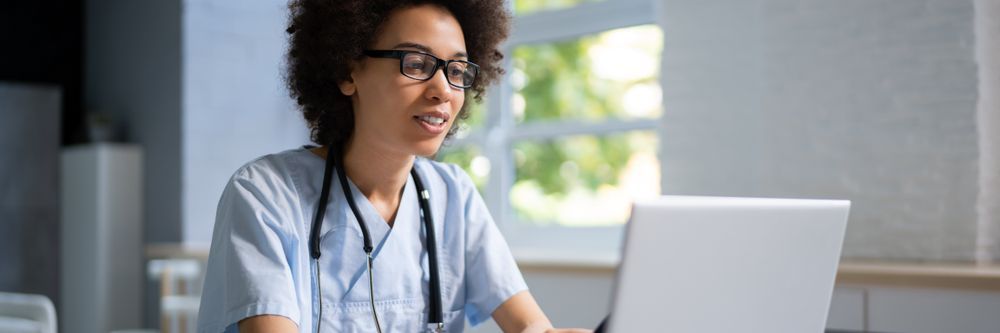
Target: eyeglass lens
(422, 66)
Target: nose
(438, 87)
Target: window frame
(499, 132)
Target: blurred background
(121, 121)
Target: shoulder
(272, 177)
(275, 169)
(266, 166)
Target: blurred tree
(562, 81)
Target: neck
(379, 176)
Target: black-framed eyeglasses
(422, 66)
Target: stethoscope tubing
(436, 314)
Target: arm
(268, 324)
(520, 313)
(248, 271)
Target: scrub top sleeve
(491, 273)
(250, 248)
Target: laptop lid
(714, 264)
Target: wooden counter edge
(939, 275)
(936, 275)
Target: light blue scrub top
(259, 261)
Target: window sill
(933, 275)
(546, 259)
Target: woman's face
(394, 113)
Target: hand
(520, 313)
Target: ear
(347, 87)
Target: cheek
(377, 83)
(378, 97)
(458, 101)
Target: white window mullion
(496, 147)
(505, 125)
(568, 128)
(580, 20)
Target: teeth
(432, 120)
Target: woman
(381, 84)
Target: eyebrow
(426, 49)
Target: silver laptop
(713, 264)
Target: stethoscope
(435, 322)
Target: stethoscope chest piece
(435, 328)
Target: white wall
(132, 72)
(988, 58)
(868, 100)
(232, 107)
(199, 85)
(236, 106)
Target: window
(569, 136)
(525, 7)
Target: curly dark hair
(327, 35)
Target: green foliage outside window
(610, 76)
(471, 159)
(586, 179)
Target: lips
(431, 119)
(433, 122)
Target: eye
(456, 69)
(415, 63)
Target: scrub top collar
(407, 215)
